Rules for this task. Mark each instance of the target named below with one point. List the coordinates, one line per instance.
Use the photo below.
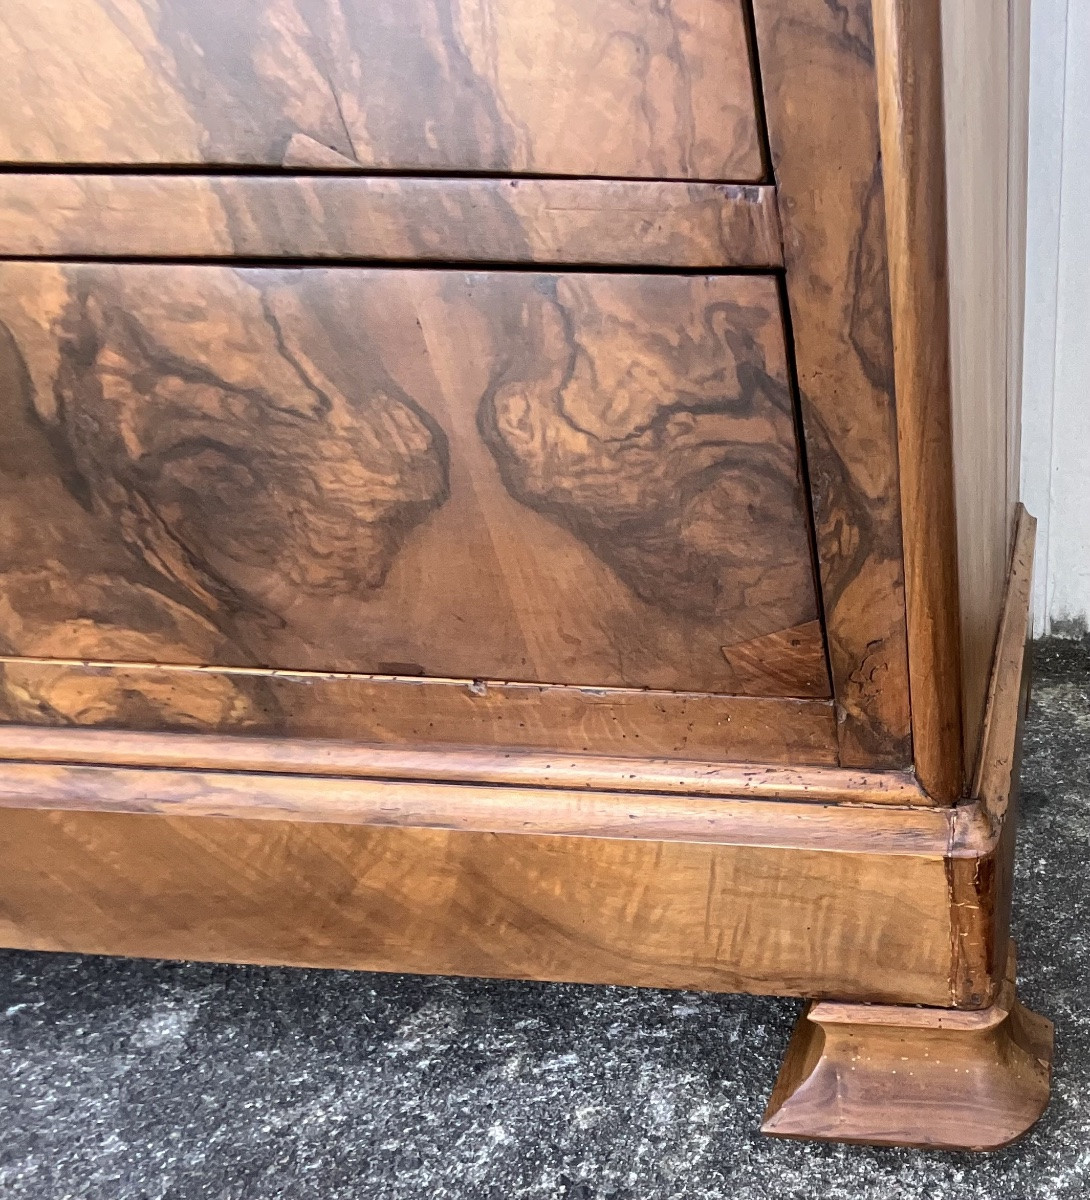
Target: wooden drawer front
(567, 478)
(629, 88)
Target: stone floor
(164, 1081)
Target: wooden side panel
(421, 712)
(614, 88)
(584, 479)
(762, 916)
(985, 129)
(818, 74)
(1017, 235)
(587, 221)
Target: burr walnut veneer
(524, 489)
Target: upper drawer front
(626, 88)
(566, 478)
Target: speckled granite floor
(162, 1081)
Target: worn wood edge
(908, 47)
(784, 824)
(650, 912)
(992, 779)
(980, 865)
(455, 764)
(390, 218)
(852, 1073)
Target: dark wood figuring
(427, 618)
(662, 891)
(820, 93)
(588, 222)
(908, 35)
(914, 1076)
(614, 88)
(684, 726)
(334, 867)
(567, 479)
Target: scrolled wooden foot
(940, 1078)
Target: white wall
(1056, 378)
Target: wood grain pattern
(908, 45)
(982, 877)
(818, 77)
(522, 809)
(459, 880)
(521, 768)
(986, 227)
(425, 712)
(568, 222)
(585, 479)
(914, 1076)
(326, 866)
(617, 88)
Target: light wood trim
(582, 222)
(908, 41)
(478, 808)
(995, 780)
(981, 864)
(526, 769)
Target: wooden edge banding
(980, 863)
(908, 43)
(992, 781)
(901, 1076)
(391, 219)
(456, 764)
(849, 828)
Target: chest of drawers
(526, 489)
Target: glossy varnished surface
(507, 475)
(568, 221)
(820, 90)
(619, 87)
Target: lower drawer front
(570, 478)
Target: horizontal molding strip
(577, 223)
(528, 769)
(416, 804)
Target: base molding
(935, 1078)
